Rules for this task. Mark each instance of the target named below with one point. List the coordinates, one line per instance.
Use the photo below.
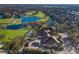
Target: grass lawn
(6, 20)
(39, 14)
(10, 34)
(44, 20)
(10, 21)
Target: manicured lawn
(7, 20)
(10, 21)
(44, 20)
(10, 34)
(40, 14)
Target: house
(47, 39)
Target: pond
(24, 20)
(14, 26)
(29, 19)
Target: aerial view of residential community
(39, 29)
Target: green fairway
(10, 21)
(6, 20)
(40, 14)
(10, 34)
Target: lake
(29, 19)
(14, 26)
(24, 20)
